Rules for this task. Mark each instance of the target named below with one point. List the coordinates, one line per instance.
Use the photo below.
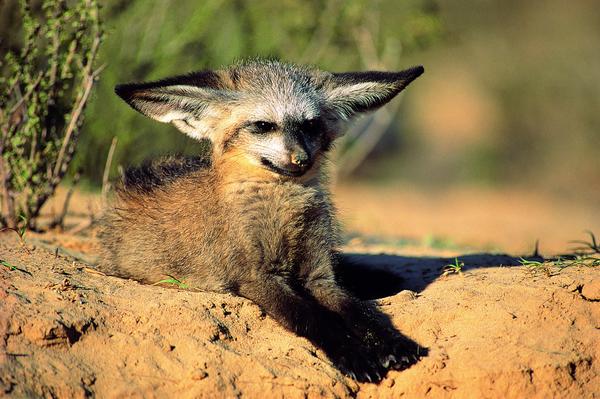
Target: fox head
(270, 116)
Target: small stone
(591, 291)
(406, 295)
(389, 382)
(199, 374)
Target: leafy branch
(44, 88)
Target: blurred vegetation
(152, 39)
(45, 83)
(510, 95)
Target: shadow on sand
(369, 276)
(376, 276)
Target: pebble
(406, 295)
(199, 374)
(591, 290)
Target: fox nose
(299, 158)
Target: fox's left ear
(350, 93)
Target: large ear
(187, 101)
(350, 93)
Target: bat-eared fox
(255, 218)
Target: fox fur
(255, 218)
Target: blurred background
(495, 146)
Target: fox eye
(311, 126)
(263, 127)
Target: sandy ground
(508, 220)
(497, 330)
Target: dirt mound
(491, 332)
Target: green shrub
(45, 84)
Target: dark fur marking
(234, 75)
(151, 175)
(399, 79)
(205, 79)
(402, 77)
(231, 139)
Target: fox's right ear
(188, 101)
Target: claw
(368, 377)
(385, 362)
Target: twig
(536, 250)
(89, 82)
(81, 226)
(59, 221)
(323, 33)
(66, 155)
(26, 96)
(365, 143)
(367, 138)
(365, 44)
(8, 209)
(109, 158)
(85, 223)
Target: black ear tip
(408, 75)
(415, 71)
(124, 91)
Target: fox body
(256, 218)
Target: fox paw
(361, 367)
(400, 353)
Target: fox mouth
(283, 171)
